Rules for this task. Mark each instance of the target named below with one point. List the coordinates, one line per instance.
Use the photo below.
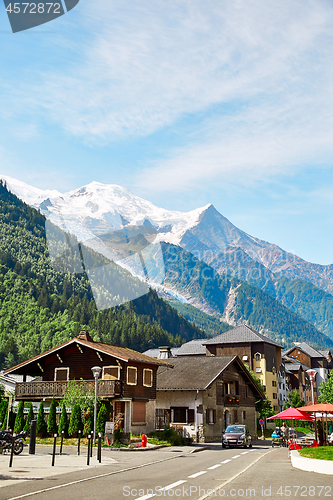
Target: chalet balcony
(35, 391)
(230, 399)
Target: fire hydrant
(144, 441)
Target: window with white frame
(111, 373)
(132, 375)
(61, 374)
(147, 377)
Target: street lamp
(96, 371)
(312, 374)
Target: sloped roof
(193, 348)
(295, 362)
(240, 334)
(122, 353)
(307, 349)
(154, 353)
(197, 373)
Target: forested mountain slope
(235, 301)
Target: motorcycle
(6, 439)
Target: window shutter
(139, 412)
(191, 419)
(214, 416)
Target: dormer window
(258, 356)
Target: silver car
(237, 435)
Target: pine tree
(19, 420)
(52, 420)
(4, 412)
(102, 417)
(41, 427)
(326, 390)
(75, 423)
(29, 418)
(63, 422)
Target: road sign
(261, 422)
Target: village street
(260, 472)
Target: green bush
(19, 420)
(170, 435)
(52, 420)
(75, 422)
(29, 418)
(102, 417)
(3, 413)
(63, 422)
(41, 427)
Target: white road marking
(197, 474)
(244, 452)
(215, 466)
(226, 461)
(235, 476)
(236, 456)
(173, 485)
(146, 497)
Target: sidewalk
(28, 467)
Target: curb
(311, 464)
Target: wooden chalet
(128, 378)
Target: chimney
(84, 335)
(165, 352)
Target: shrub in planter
(63, 422)
(29, 418)
(19, 420)
(75, 422)
(102, 417)
(52, 420)
(41, 427)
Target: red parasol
(292, 414)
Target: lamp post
(96, 371)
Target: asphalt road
(261, 472)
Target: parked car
(237, 435)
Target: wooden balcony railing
(40, 390)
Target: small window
(147, 377)
(139, 412)
(258, 356)
(131, 375)
(274, 395)
(258, 370)
(210, 416)
(179, 414)
(111, 373)
(243, 415)
(245, 358)
(61, 374)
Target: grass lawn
(321, 452)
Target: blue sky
(185, 103)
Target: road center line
(173, 485)
(226, 461)
(244, 452)
(235, 476)
(236, 456)
(215, 466)
(197, 474)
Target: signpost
(261, 422)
